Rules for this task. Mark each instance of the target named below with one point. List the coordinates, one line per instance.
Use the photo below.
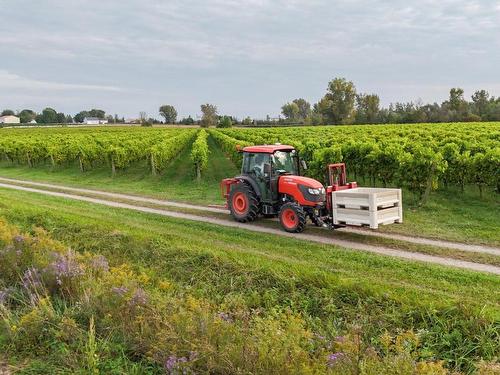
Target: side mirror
(267, 169)
(303, 164)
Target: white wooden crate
(367, 206)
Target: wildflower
(18, 239)
(334, 358)
(66, 267)
(121, 291)
(225, 317)
(173, 364)
(138, 298)
(100, 263)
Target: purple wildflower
(4, 295)
(334, 358)
(18, 239)
(65, 267)
(138, 298)
(173, 365)
(340, 339)
(225, 317)
(100, 263)
(121, 290)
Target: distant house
(94, 121)
(132, 121)
(9, 119)
(33, 121)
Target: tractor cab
(265, 164)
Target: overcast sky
(246, 56)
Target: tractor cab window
(285, 162)
(254, 164)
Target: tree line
(342, 104)
(51, 116)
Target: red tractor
(270, 184)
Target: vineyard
(117, 148)
(420, 157)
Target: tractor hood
(306, 191)
(300, 180)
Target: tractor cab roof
(268, 149)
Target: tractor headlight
(314, 191)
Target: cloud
(11, 81)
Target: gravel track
(254, 228)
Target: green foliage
(8, 112)
(337, 106)
(164, 151)
(169, 113)
(209, 115)
(225, 122)
(160, 323)
(26, 115)
(199, 152)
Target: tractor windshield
(285, 161)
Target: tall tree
(209, 115)
(169, 113)
(61, 118)
(8, 112)
(304, 108)
(456, 99)
(27, 115)
(290, 111)
(48, 116)
(367, 108)
(80, 116)
(337, 106)
(99, 113)
(481, 101)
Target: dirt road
(350, 245)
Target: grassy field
(445, 216)
(245, 275)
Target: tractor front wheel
(292, 218)
(243, 203)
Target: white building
(94, 121)
(9, 119)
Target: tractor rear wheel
(243, 203)
(292, 218)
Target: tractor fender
(250, 182)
